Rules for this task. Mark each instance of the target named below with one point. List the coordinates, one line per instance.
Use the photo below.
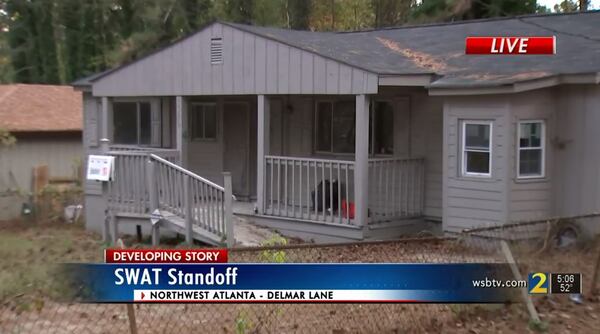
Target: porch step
(177, 224)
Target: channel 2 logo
(538, 283)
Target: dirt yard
(28, 252)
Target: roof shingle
(32, 108)
(440, 48)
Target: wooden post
(187, 202)
(152, 198)
(361, 161)
(228, 210)
(129, 306)
(114, 229)
(105, 190)
(262, 149)
(104, 119)
(595, 275)
(515, 270)
(180, 126)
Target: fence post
(595, 275)
(129, 306)
(517, 274)
(228, 210)
(105, 189)
(152, 198)
(187, 202)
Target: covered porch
(341, 162)
(330, 161)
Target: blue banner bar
(442, 283)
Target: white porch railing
(311, 189)
(190, 196)
(396, 188)
(128, 192)
(144, 181)
(322, 190)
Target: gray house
(352, 135)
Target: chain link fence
(561, 245)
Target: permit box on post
(100, 168)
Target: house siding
(470, 201)
(60, 152)
(577, 158)
(251, 65)
(531, 198)
(426, 141)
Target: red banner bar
(112, 255)
(528, 45)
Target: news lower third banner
(289, 283)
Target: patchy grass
(29, 253)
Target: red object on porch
(347, 210)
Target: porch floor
(253, 229)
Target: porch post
(104, 118)
(262, 149)
(104, 148)
(361, 163)
(181, 121)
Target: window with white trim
(477, 148)
(203, 121)
(530, 158)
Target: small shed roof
(40, 108)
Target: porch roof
(438, 49)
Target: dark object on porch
(331, 196)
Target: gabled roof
(438, 49)
(40, 108)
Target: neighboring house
(403, 126)
(46, 121)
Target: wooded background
(59, 41)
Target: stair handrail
(189, 173)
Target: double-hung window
(132, 123)
(477, 148)
(530, 157)
(203, 121)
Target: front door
(236, 153)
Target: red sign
(510, 45)
(112, 255)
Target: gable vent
(216, 50)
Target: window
(216, 51)
(335, 127)
(381, 139)
(530, 158)
(203, 120)
(476, 148)
(132, 123)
